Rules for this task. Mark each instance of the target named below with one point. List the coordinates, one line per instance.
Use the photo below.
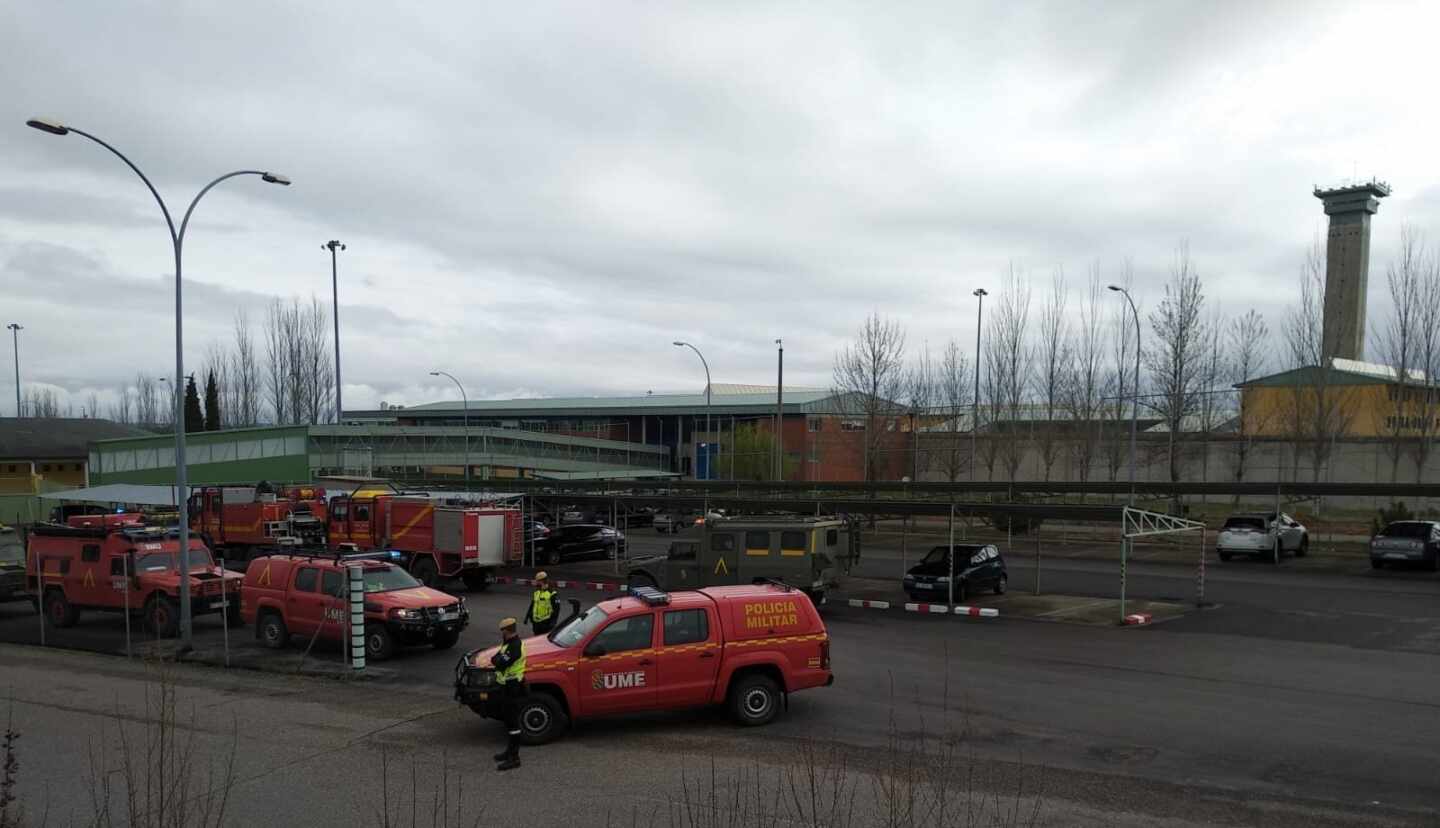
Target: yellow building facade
(1345, 401)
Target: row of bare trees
(1055, 383)
(284, 375)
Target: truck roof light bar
(651, 596)
(378, 555)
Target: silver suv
(1267, 537)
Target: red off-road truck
(113, 568)
(747, 647)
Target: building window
(812, 423)
(852, 424)
(45, 467)
(814, 452)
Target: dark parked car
(977, 567)
(580, 540)
(536, 531)
(1407, 541)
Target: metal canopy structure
(1139, 523)
(138, 494)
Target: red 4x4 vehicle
(286, 595)
(743, 646)
(112, 567)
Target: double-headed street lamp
(978, 293)
(466, 402)
(15, 329)
(177, 240)
(1135, 392)
(333, 246)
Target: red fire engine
(236, 521)
(434, 540)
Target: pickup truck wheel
(59, 610)
(161, 617)
(542, 719)
(426, 572)
(272, 630)
(379, 643)
(754, 700)
(445, 639)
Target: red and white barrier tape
(932, 609)
(595, 586)
(1137, 619)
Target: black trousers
(514, 693)
(542, 627)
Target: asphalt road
(1295, 692)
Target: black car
(1407, 541)
(536, 531)
(580, 540)
(977, 567)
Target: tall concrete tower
(1347, 265)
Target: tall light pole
(678, 344)
(177, 240)
(978, 293)
(15, 329)
(466, 420)
(1135, 392)
(779, 411)
(332, 246)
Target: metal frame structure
(1139, 523)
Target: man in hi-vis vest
(544, 606)
(509, 664)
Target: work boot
(509, 764)
(502, 755)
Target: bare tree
(1248, 343)
(1320, 409)
(1179, 332)
(953, 393)
(123, 409)
(920, 395)
(1008, 361)
(1399, 343)
(245, 381)
(869, 381)
(1054, 359)
(147, 401)
(1082, 382)
(318, 371)
(279, 349)
(41, 402)
(1428, 360)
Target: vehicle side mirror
(594, 650)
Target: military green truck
(809, 553)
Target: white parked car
(1263, 536)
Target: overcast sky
(538, 198)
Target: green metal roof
(795, 402)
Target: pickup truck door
(617, 672)
(689, 657)
(304, 603)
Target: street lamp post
(1135, 392)
(780, 411)
(177, 240)
(15, 329)
(332, 246)
(466, 420)
(708, 458)
(978, 293)
(1134, 416)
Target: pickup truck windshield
(388, 579)
(163, 561)
(584, 625)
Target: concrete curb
(930, 609)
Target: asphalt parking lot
(1296, 686)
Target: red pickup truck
(747, 647)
